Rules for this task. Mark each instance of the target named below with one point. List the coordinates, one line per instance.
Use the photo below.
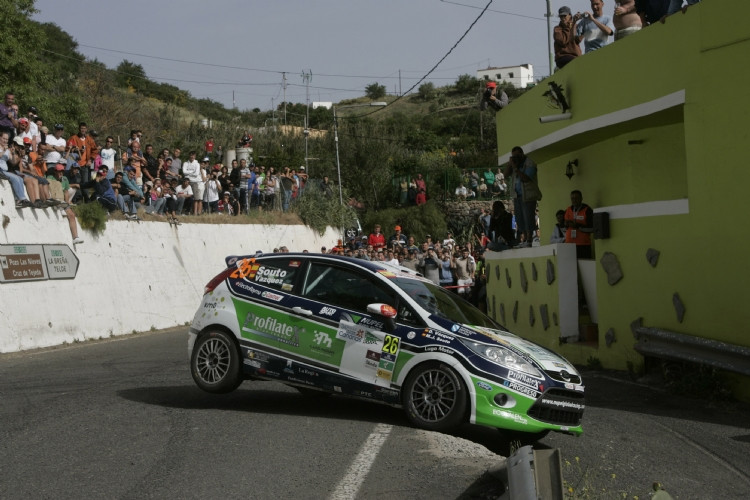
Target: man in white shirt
(109, 154)
(54, 147)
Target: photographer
(567, 42)
(490, 98)
(594, 28)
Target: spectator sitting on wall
(59, 188)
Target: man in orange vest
(579, 224)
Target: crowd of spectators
(133, 178)
(595, 29)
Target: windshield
(442, 303)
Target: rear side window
(278, 274)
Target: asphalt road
(122, 419)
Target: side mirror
(386, 313)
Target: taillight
(211, 285)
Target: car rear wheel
(435, 397)
(215, 363)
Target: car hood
(541, 356)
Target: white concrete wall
(133, 277)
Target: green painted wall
(697, 151)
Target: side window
(344, 288)
(278, 274)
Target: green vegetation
(92, 217)
(436, 131)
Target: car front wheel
(435, 397)
(215, 363)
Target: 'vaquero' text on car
(367, 330)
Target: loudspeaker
(601, 225)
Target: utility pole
(283, 85)
(307, 78)
(548, 15)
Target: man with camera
(594, 27)
(567, 42)
(492, 99)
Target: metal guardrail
(534, 474)
(682, 347)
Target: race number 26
(390, 346)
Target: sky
(240, 52)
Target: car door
(340, 294)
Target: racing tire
(435, 397)
(351, 233)
(215, 362)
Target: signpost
(36, 263)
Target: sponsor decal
(253, 363)
(520, 388)
(387, 274)
(411, 335)
(248, 288)
(209, 305)
(371, 323)
(455, 328)
(260, 356)
(574, 387)
(295, 263)
(322, 338)
(372, 355)
(289, 367)
(559, 365)
(513, 416)
(356, 335)
(299, 381)
(306, 371)
(327, 311)
(287, 287)
(272, 296)
(439, 349)
(484, 385)
(273, 329)
(364, 394)
(524, 379)
(465, 331)
(563, 404)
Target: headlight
(504, 357)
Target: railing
(682, 347)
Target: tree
(427, 91)
(375, 91)
(466, 84)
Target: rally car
(367, 330)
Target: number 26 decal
(390, 346)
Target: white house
(519, 76)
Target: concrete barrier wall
(136, 276)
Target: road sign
(36, 262)
(62, 263)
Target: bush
(416, 221)
(92, 217)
